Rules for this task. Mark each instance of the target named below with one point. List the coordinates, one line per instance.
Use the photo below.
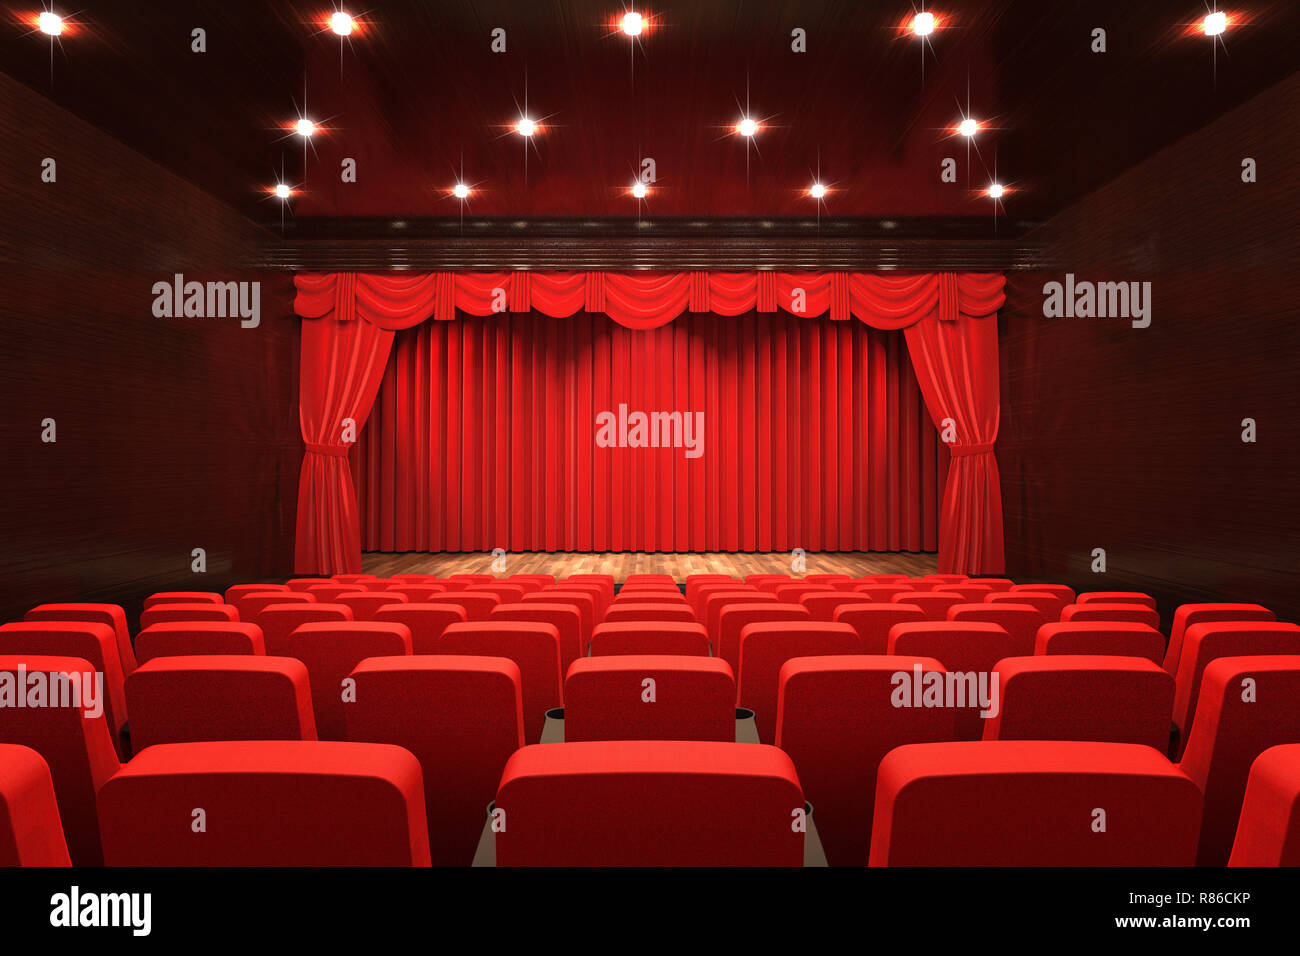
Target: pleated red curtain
(484, 431)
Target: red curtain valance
(647, 300)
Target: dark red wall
(173, 434)
(1130, 439)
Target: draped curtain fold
(949, 336)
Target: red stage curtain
(483, 436)
(957, 368)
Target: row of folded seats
(871, 700)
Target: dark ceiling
(417, 95)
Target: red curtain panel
(484, 435)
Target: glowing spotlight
(282, 191)
(923, 24)
(995, 191)
(632, 24)
(817, 191)
(50, 24)
(305, 128)
(968, 127)
(460, 191)
(526, 127)
(341, 23)
(639, 190)
(1215, 23)
(746, 127)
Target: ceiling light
(460, 190)
(305, 127)
(995, 191)
(1215, 23)
(968, 127)
(632, 24)
(282, 191)
(923, 24)
(817, 191)
(526, 127)
(341, 23)
(746, 127)
(50, 23)
(639, 190)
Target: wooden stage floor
(621, 564)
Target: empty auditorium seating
(414, 578)
(1123, 700)
(822, 604)
(585, 603)
(732, 619)
(1115, 597)
(184, 597)
(462, 718)
(31, 833)
(650, 579)
(163, 613)
(997, 584)
(75, 741)
(538, 580)
(1033, 803)
(508, 593)
(649, 803)
(266, 803)
(1134, 613)
(278, 621)
(414, 593)
(1049, 604)
(836, 718)
(649, 697)
(873, 621)
(250, 604)
(330, 649)
(472, 578)
(477, 604)
(636, 611)
(699, 603)
(1111, 638)
(967, 649)
(236, 591)
(1268, 830)
(934, 604)
(1021, 621)
(792, 592)
(600, 597)
(110, 614)
(884, 578)
(649, 637)
(945, 578)
(565, 618)
(175, 700)
(352, 578)
(1188, 614)
(765, 646)
(1245, 706)
(534, 646)
(1066, 594)
(326, 593)
(426, 622)
(306, 584)
(364, 604)
(972, 593)
(186, 638)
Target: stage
(622, 564)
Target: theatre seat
(414, 593)
(165, 613)
(266, 803)
(461, 717)
(1033, 803)
(885, 578)
(649, 697)
(585, 603)
(111, 614)
(189, 638)
(472, 578)
(565, 618)
(648, 596)
(184, 597)
(883, 593)
(237, 591)
(967, 649)
(1066, 594)
(873, 621)
(1109, 638)
(176, 700)
(945, 578)
(1188, 614)
(1133, 613)
(1205, 642)
(649, 803)
(765, 646)
(478, 605)
(822, 604)
(534, 646)
(1245, 706)
(326, 593)
(364, 604)
(775, 580)
(543, 580)
(1021, 621)
(426, 622)
(31, 833)
(792, 592)
(997, 584)
(352, 578)
(650, 579)
(934, 604)
(972, 593)
(836, 718)
(601, 599)
(94, 643)
(1123, 700)
(733, 618)
(278, 621)
(1116, 597)
(1050, 605)
(1268, 831)
(331, 649)
(679, 638)
(508, 593)
(635, 611)
(75, 741)
(700, 603)
(306, 584)
(250, 605)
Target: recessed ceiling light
(305, 127)
(632, 24)
(282, 191)
(460, 191)
(1215, 23)
(968, 127)
(746, 127)
(50, 23)
(923, 24)
(817, 191)
(341, 23)
(526, 127)
(995, 191)
(639, 190)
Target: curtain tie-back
(320, 448)
(980, 448)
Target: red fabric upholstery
(1188, 614)
(188, 638)
(678, 638)
(426, 622)
(278, 621)
(1133, 613)
(184, 597)
(1110, 638)
(1268, 831)
(765, 646)
(1021, 621)
(164, 613)
(1115, 597)
(365, 604)
(688, 698)
(873, 621)
(934, 604)
(966, 647)
(534, 646)
(732, 619)
(31, 833)
(565, 618)
(110, 614)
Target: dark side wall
(172, 434)
(1130, 439)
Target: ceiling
(417, 96)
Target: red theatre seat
(75, 741)
(353, 578)
(165, 613)
(508, 593)
(837, 716)
(326, 593)
(945, 578)
(1108, 638)
(997, 584)
(973, 593)
(1066, 594)
(766, 646)
(178, 700)
(565, 618)
(1188, 614)
(237, 591)
(650, 611)
(1116, 597)
(650, 579)
(184, 597)
(1050, 605)
(415, 593)
(478, 605)
(462, 717)
(601, 599)
(678, 638)
(649, 803)
(1268, 831)
(1033, 803)
(1021, 621)
(649, 697)
(791, 593)
(31, 833)
(473, 578)
(278, 621)
(1124, 700)
(364, 604)
(822, 604)
(189, 638)
(425, 621)
(1133, 613)
(1246, 705)
(250, 605)
(585, 603)
(534, 646)
(934, 604)
(969, 651)
(873, 621)
(266, 803)
(110, 614)
(732, 619)
(306, 584)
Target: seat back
(184, 597)
(969, 651)
(583, 601)
(278, 621)
(1188, 614)
(236, 591)
(822, 604)
(650, 611)
(1066, 594)
(426, 622)
(1109, 638)
(1115, 597)
(111, 614)
(1133, 613)
(326, 593)
(872, 622)
(478, 605)
(934, 604)
(678, 638)
(1021, 621)
(534, 646)
(733, 618)
(250, 604)
(649, 697)
(164, 613)
(1050, 605)
(190, 638)
(364, 604)
(31, 833)
(766, 645)
(713, 602)
(649, 803)
(882, 593)
(1268, 831)
(565, 618)
(508, 593)
(266, 803)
